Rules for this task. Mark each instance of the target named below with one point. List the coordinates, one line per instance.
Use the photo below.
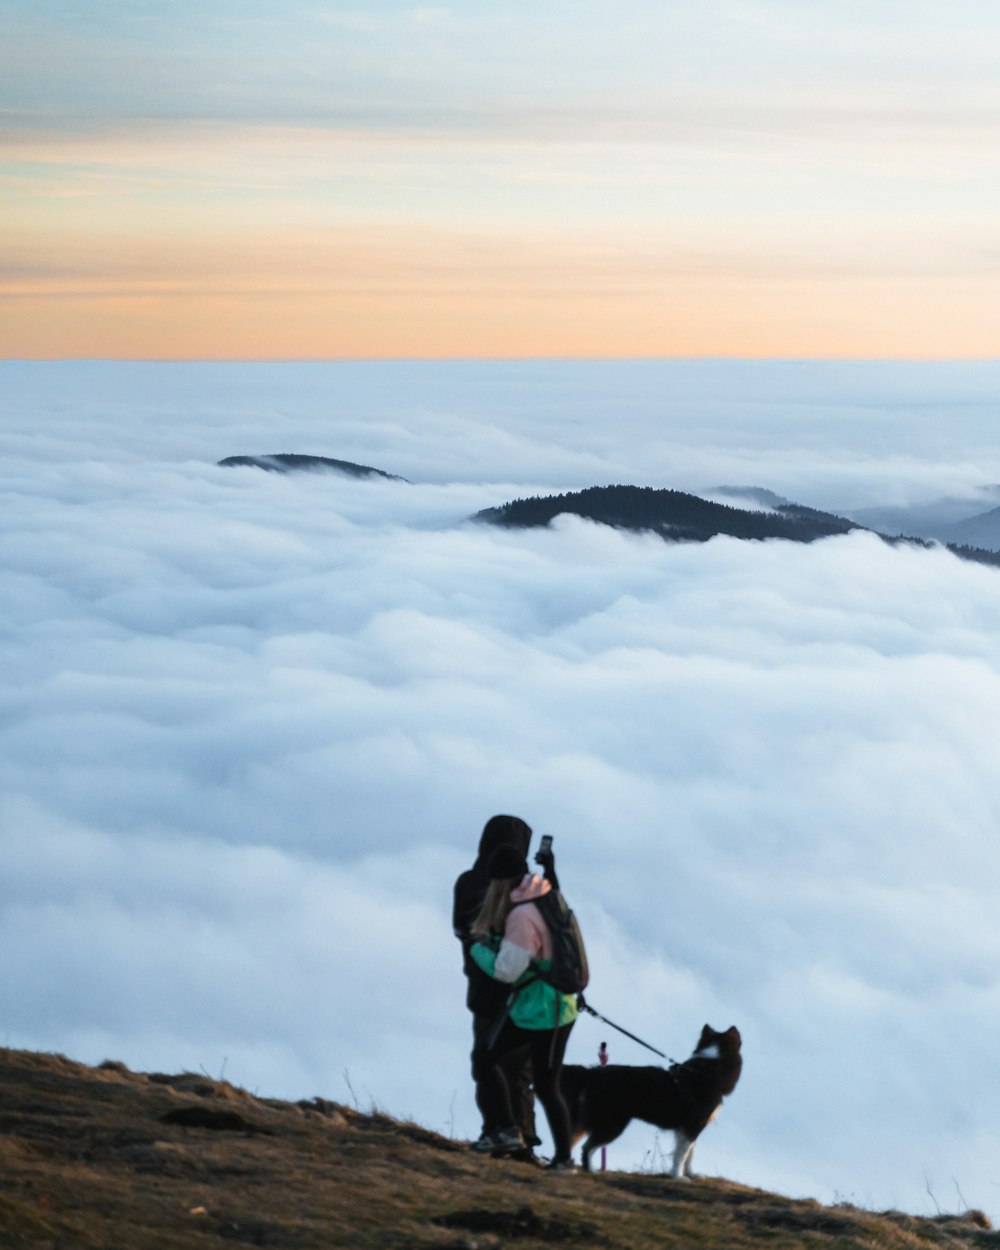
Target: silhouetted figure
(486, 998)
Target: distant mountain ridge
(975, 521)
(684, 517)
(981, 530)
(758, 494)
(288, 461)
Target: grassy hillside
(110, 1159)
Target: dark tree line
(290, 461)
(677, 515)
(670, 513)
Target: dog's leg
(683, 1147)
(689, 1171)
(603, 1136)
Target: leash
(585, 1006)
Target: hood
(504, 831)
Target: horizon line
(708, 358)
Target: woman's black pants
(546, 1048)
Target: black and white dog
(683, 1097)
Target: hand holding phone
(547, 859)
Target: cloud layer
(252, 725)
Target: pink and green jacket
(525, 949)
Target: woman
(515, 946)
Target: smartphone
(545, 846)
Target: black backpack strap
(498, 1023)
(504, 1016)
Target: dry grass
(87, 1162)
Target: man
(485, 997)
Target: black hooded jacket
(485, 996)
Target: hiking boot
(507, 1141)
(503, 1141)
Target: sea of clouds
(251, 726)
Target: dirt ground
(107, 1159)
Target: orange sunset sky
(224, 180)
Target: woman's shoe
(504, 1141)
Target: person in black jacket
(485, 997)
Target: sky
(251, 726)
(636, 178)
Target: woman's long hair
(492, 917)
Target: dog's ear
(733, 1034)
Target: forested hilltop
(291, 461)
(682, 517)
(671, 513)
